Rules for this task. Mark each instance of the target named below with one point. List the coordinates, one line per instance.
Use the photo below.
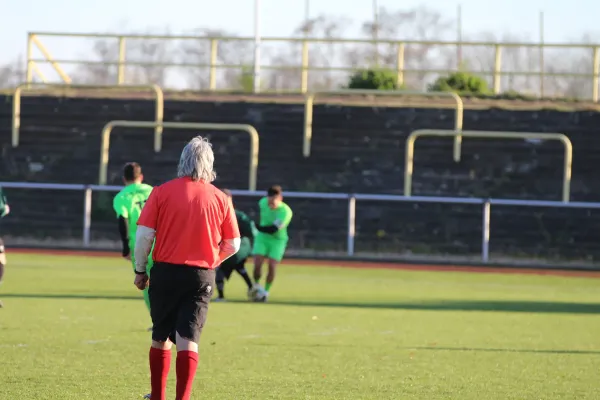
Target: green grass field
(75, 328)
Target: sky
(563, 21)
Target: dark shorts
(227, 269)
(179, 298)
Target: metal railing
(497, 72)
(485, 205)
(107, 130)
(560, 137)
(310, 100)
(159, 100)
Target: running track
(358, 264)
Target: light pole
(256, 46)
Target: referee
(238, 261)
(195, 228)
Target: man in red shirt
(194, 229)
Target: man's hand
(141, 281)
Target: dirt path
(356, 264)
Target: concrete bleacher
(354, 149)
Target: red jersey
(191, 219)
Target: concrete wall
(355, 149)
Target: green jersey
(280, 217)
(128, 203)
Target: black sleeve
(267, 229)
(123, 229)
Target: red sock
(187, 362)
(160, 362)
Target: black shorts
(227, 269)
(179, 297)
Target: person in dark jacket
(4, 210)
(238, 261)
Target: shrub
(460, 82)
(374, 79)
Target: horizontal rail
(311, 68)
(331, 196)
(313, 39)
(349, 197)
(560, 137)
(249, 129)
(310, 100)
(29, 86)
(213, 62)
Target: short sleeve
(229, 227)
(149, 215)
(119, 207)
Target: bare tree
(515, 59)
(12, 74)
(233, 59)
(154, 55)
(420, 24)
(576, 61)
(325, 56)
(103, 72)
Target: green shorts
(269, 247)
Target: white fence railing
(485, 204)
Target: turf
(75, 328)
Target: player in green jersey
(128, 204)
(238, 260)
(271, 241)
(4, 210)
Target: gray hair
(196, 161)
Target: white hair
(196, 161)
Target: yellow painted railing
(561, 137)
(310, 100)
(16, 112)
(108, 128)
(305, 68)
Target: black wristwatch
(140, 273)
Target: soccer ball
(258, 294)
(261, 295)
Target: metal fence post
(122, 57)
(351, 223)
(497, 69)
(87, 215)
(485, 234)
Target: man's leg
(191, 318)
(259, 250)
(222, 273)
(276, 252)
(241, 269)
(2, 262)
(163, 299)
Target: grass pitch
(75, 328)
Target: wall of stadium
(354, 149)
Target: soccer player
(4, 210)
(128, 204)
(196, 230)
(271, 241)
(237, 262)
